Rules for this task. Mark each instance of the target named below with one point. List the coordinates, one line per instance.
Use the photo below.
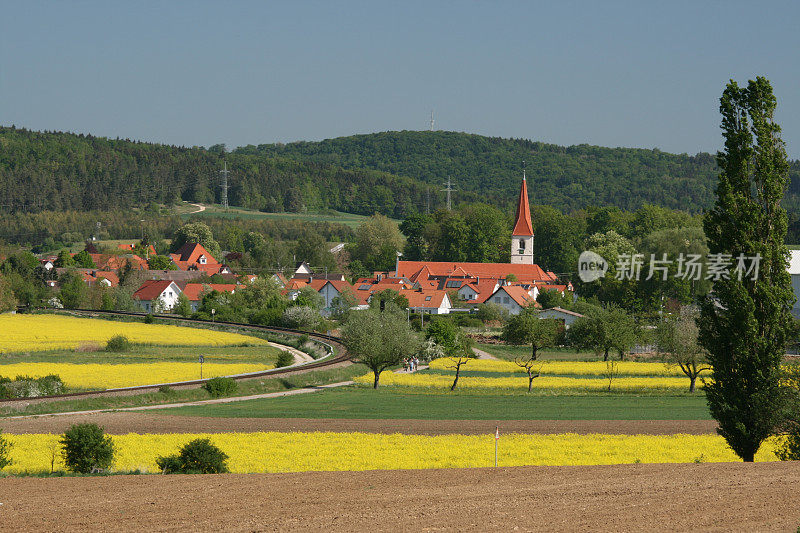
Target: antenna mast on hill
(448, 190)
(432, 121)
(224, 174)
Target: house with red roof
(428, 301)
(192, 256)
(513, 298)
(195, 291)
(155, 296)
(150, 250)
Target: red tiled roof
(110, 276)
(151, 289)
(132, 247)
(413, 270)
(424, 299)
(518, 294)
(188, 256)
(523, 226)
(194, 291)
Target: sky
(635, 74)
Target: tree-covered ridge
(564, 177)
(57, 171)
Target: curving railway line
(337, 356)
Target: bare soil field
(147, 422)
(675, 497)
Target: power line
(224, 174)
(448, 190)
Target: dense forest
(566, 178)
(391, 173)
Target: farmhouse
(565, 316)
(192, 256)
(157, 295)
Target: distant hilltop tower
(522, 234)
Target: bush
(301, 317)
(165, 389)
(86, 449)
(196, 457)
(148, 318)
(118, 343)
(284, 359)
(29, 387)
(219, 387)
(5, 451)
(302, 340)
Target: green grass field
(151, 354)
(356, 402)
(509, 352)
(338, 217)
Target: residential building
(156, 296)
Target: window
(364, 287)
(427, 298)
(453, 284)
(522, 246)
(202, 260)
(505, 299)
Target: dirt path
(200, 209)
(299, 356)
(120, 423)
(483, 355)
(292, 392)
(657, 497)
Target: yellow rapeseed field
(108, 376)
(34, 333)
(441, 381)
(577, 368)
(298, 452)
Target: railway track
(337, 355)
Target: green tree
(389, 300)
(86, 448)
(73, 291)
(161, 262)
(199, 233)
(8, 302)
(414, 228)
(379, 340)
(377, 241)
(445, 333)
(746, 322)
(528, 328)
(603, 331)
(83, 260)
(64, 259)
(677, 342)
(183, 307)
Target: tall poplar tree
(745, 323)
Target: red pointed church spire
(523, 225)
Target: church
(513, 285)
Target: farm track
(641, 497)
(338, 359)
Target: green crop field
(356, 403)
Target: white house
(157, 295)
(794, 272)
(431, 301)
(568, 317)
(513, 298)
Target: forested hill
(57, 171)
(390, 173)
(564, 177)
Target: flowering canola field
(560, 383)
(575, 368)
(108, 376)
(299, 452)
(33, 333)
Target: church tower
(522, 234)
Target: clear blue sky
(642, 74)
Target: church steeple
(522, 234)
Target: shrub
(86, 448)
(301, 317)
(148, 318)
(118, 343)
(196, 457)
(29, 387)
(5, 451)
(302, 340)
(219, 387)
(165, 389)
(284, 359)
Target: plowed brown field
(148, 422)
(675, 497)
